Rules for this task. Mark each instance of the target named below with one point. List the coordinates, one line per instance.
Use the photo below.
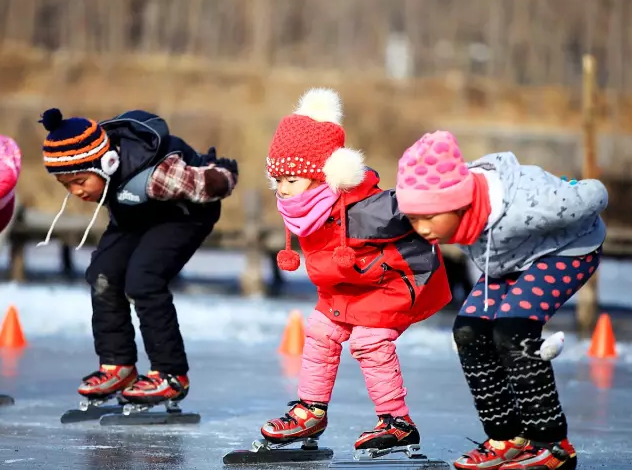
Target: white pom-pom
(552, 346)
(110, 162)
(344, 169)
(322, 105)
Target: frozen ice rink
(238, 381)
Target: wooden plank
(588, 301)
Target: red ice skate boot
(388, 433)
(157, 387)
(545, 456)
(302, 421)
(107, 381)
(491, 454)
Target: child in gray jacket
(537, 239)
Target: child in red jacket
(375, 277)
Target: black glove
(229, 164)
(211, 156)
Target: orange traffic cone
(603, 341)
(11, 335)
(293, 336)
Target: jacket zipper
(371, 264)
(402, 274)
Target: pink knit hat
(433, 177)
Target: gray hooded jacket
(541, 215)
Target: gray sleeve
(377, 218)
(556, 203)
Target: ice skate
(390, 435)
(107, 381)
(97, 389)
(545, 456)
(393, 443)
(303, 424)
(148, 391)
(6, 400)
(157, 388)
(301, 421)
(491, 454)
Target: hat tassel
(343, 255)
(288, 259)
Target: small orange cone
(603, 341)
(294, 335)
(11, 335)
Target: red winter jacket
(396, 281)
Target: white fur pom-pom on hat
(322, 105)
(344, 169)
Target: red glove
(10, 166)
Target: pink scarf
(307, 212)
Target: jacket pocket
(386, 267)
(369, 260)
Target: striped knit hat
(77, 144)
(74, 145)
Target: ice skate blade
(146, 418)
(248, 457)
(91, 413)
(6, 400)
(264, 452)
(391, 463)
(412, 451)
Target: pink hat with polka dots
(433, 177)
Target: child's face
(437, 228)
(289, 186)
(85, 185)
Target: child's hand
(230, 165)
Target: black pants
(131, 267)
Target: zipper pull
(384, 267)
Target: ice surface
(239, 381)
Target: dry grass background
(223, 72)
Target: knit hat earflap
(74, 145)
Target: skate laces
(388, 421)
(482, 448)
(288, 418)
(554, 448)
(154, 379)
(96, 377)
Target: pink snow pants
(372, 347)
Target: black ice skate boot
(388, 433)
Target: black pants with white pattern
(514, 390)
(137, 267)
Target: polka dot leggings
(536, 293)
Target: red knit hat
(310, 144)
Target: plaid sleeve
(173, 179)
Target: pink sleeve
(10, 166)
